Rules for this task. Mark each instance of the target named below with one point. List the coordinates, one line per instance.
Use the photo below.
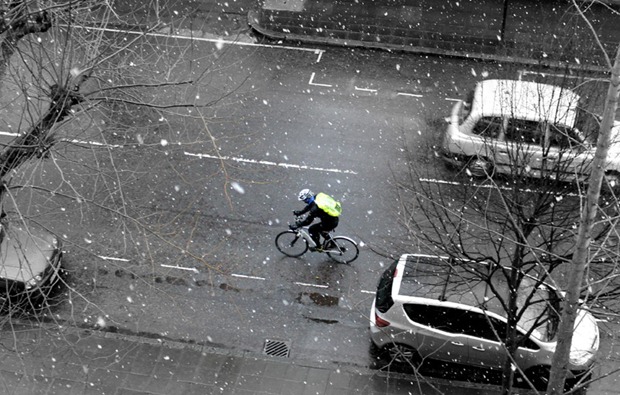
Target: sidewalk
(75, 361)
(527, 31)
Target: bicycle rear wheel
(342, 249)
(290, 243)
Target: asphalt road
(216, 193)
(216, 189)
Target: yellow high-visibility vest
(328, 204)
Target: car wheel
(539, 377)
(403, 355)
(478, 167)
(611, 183)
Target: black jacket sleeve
(313, 210)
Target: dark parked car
(30, 260)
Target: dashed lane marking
(409, 94)
(189, 269)
(269, 163)
(311, 285)
(109, 258)
(249, 277)
(487, 186)
(366, 90)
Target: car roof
(446, 280)
(525, 100)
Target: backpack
(328, 204)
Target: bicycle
(295, 243)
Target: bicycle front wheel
(342, 249)
(290, 243)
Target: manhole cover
(276, 348)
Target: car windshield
(538, 305)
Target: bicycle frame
(303, 231)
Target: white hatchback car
(427, 307)
(526, 128)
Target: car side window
(449, 320)
(434, 316)
(524, 132)
(490, 127)
(462, 322)
(500, 329)
(563, 138)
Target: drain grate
(276, 348)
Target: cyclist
(321, 206)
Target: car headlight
(33, 282)
(580, 357)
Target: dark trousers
(321, 227)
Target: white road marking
(320, 55)
(450, 99)
(367, 292)
(250, 277)
(445, 182)
(269, 163)
(190, 269)
(74, 141)
(408, 94)
(109, 258)
(522, 73)
(366, 90)
(9, 134)
(217, 40)
(311, 285)
(311, 82)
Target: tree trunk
(580, 258)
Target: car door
(565, 153)
(486, 345)
(437, 333)
(522, 152)
(485, 348)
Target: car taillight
(380, 322)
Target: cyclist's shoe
(315, 249)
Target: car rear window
(384, 299)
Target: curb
(254, 22)
(252, 355)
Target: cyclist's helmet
(305, 194)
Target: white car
(525, 128)
(429, 307)
(30, 265)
